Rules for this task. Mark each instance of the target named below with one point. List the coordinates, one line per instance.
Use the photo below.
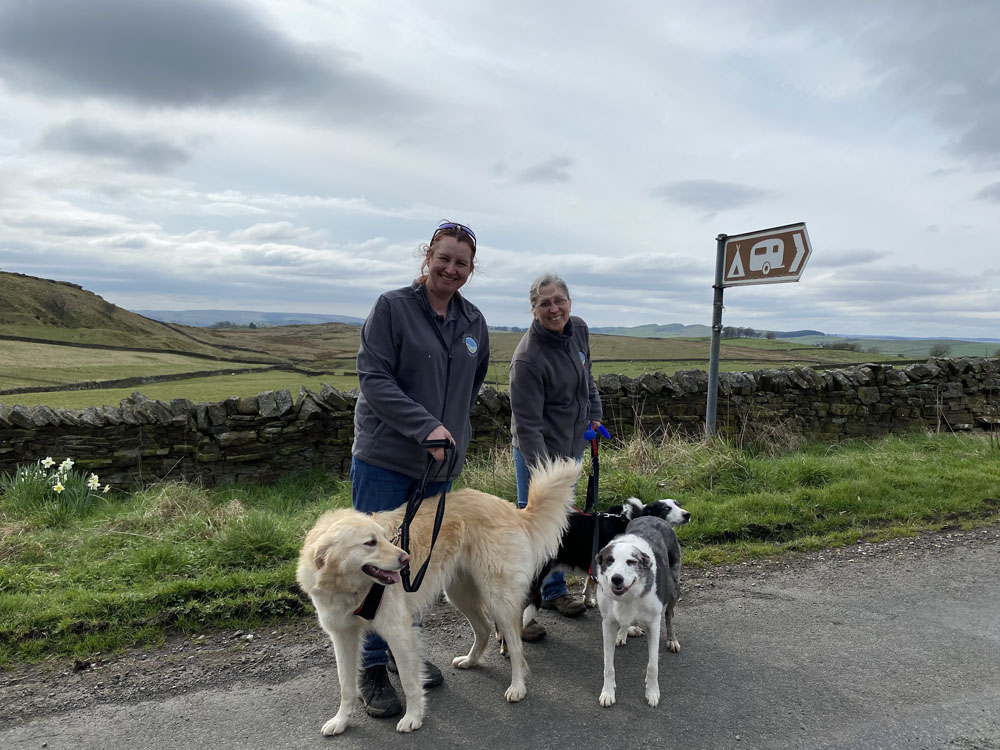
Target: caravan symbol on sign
(766, 257)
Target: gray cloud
(958, 82)
(710, 195)
(555, 169)
(847, 258)
(931, 57)
(141, 152)
(172, 53)
(990, 193)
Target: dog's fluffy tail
(550, 496)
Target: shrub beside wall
(261, 437)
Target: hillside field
(330, 350)
(64, 320)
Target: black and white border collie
(638, 583)
(576, 547)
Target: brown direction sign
(768, 256)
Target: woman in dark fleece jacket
(423, 357)
(553, 400)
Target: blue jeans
(554, 584)
(375, 489)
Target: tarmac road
(881, 649)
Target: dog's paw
(622, 638)
(635, 631)
(336, 725)
(607, 698)
(653, 695)
(515, 693)
(673, 646)
(409, 723)
(463, 662)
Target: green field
(908, 348)
(200, 390)
(27, 364)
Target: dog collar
(369, 607)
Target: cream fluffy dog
(485, 558)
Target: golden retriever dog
(485, 557)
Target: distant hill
(859, 336)
(654, 331)
(680, 330)
(796, 334)
(205, 318)
(66, 313)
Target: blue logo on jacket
(583, 359)
(471, 344)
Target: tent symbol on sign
(767, 254)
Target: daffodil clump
(50, 493)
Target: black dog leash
(592, 480)
(373, 599)
(413, 504)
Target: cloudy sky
(291, 155)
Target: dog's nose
(687, 516)
(403, 558)
(617, 580)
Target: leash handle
(439, 443)
(591, 435)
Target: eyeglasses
(457, 227)
(552, 302)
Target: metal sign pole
(713, 363)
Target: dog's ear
(602, 560)
(645, 561)
(320, 556)
(632, 507)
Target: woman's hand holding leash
(592, 431)
(437, 434)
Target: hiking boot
(377, 693)
(533, 631)
(432, 675)
(565, 605)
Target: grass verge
(126, 569)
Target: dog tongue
(392, 576)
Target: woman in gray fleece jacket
(553, 400)
(423, 357)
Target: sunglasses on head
(457, 227)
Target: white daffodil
(66, 465)
(58, 487)
(47, 462)
(105, 490)
(93, 482)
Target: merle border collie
(638, 583)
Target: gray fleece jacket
(416, 372)
(553, 396)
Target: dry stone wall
(262, 437)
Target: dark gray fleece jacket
(553, 396)
(416, 372)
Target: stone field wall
(262, 437)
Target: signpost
(767, 256)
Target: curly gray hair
(544, 280)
